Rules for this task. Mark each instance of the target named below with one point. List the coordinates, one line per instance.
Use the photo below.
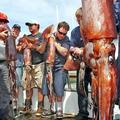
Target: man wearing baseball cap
(4, 80)
(16, 30)
(37, 66)
(3, 17)
(17, 26)
(3, 21)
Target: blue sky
(46, 12)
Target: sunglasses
(62, 33)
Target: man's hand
(14, 34)
(4, 35)
(57, 44)
(76, 51)
(18, 48)
(31, 46)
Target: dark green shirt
(36, 56)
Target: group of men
(37, 67)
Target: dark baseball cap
(17, 26)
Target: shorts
(59, 81)
(34, 76)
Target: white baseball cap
(32, 22)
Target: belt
(2, 61)
(37, 63)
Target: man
(36, 68)
(59, 75)
(16, 29)
(4, 80)
(76, 45)
(117, 16)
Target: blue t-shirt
(117, 15)
(59, 59)
(76, 39)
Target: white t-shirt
(2, 50)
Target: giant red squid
(99, 31)
(49, 63)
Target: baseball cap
(32, 23)
(3, 17)
(17, 26)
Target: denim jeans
(19, 75)
(82, 99)
(4, 89)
